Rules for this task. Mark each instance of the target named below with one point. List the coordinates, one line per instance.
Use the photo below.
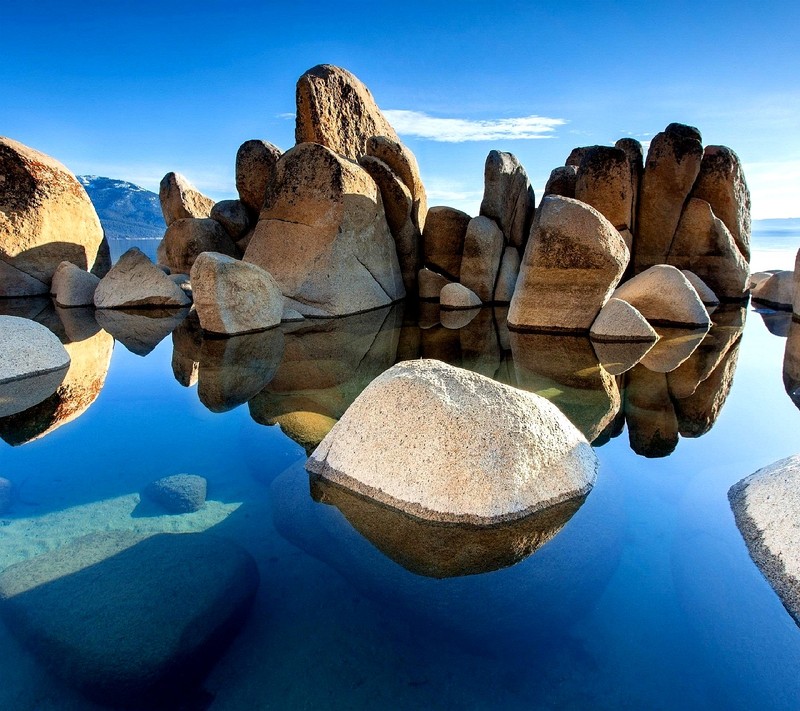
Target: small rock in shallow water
(180, 493)
(5, 495)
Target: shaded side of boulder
(187, 238)
(562, 181)
(796, 285)
(508, 197)
(707, 296)
(480, 262)
(72, 286)
(102, 262)
(14, 282)
(255, 172)
(633, 151)
(576, 155)
(604, 182)
(180, 199)
(507, 276)
(431, 284)
(179, 493)
(232, 215)
(443, 240)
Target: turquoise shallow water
(646, 598)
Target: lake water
(646, 598)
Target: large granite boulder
(704, 291)
(722, 185)
(457, 296)
(336, 110)
(573, 262)
(633, 152)
(664, 296)
(255, 172)
(46, 218)
(131, 620)
(704, 245)
(562, 181)
(443, 239)
(179, 493)
(232, 215)
(402, 442)
(604, 182)
(32, 366)
(134, 282)
(189, 237)
(324, 238)
(619, 321)
(507, 276)
(766, 506)
(180, 199)
(508, 197)
(480, 261)
(673, 163)
(776, 292)
(73, 286)
(431, 284)
(233, 297)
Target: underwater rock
(255, 172)
(140, 330)
(457, 297)
(131, 620)
(179, 493)
(777, 291)
(6, 493)
(443, 240)
(181, 200)
(766, 506)
(508, 197)
(73, 286)
(402, 443)
(619, 321)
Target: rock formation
(443, 240)
(777, 291)
(480, 261)
(255, 172)
(431, 284)
(507, 276)
(508, 197)
(457, 296)
(180, 199)
(186, 238)
(179, 493)
(73, 286)
(562, 181)
(618, 321)
(232, 215)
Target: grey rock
(431, 284)
(508, 197)
(562, 181)
(457, 296)
(255, 172)
(480, 261)
(232, 215)
(180, 199)
(707, 296)
(72, 286)
(507, 276)
(443, 240)
(776, 292)
(619, 321)
(179, 493)
(633, 152)
(140, 330)
(187, 238)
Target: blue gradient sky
(133, 90)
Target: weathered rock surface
(721, 183)
(523, 456)
(180, 199)
(6, 493)
(131, 620)
(186, 238)
(457, 296)
(46, 218)
(777, 291)
(232, 215)
(562, 181)
(619, 321)
(73, 286)
(336, 110)
(255, 171)
(757, 277)
(507, 276)
(508, 197)
(673, 163)
(134, 282)
(665, 297)
(443, 240)
(633, 151)
(233, 297)
(480, 261)
(179, 493)
(431, 284)
(703, 245)
(576, 156)
(766, 506)
(604, 182)
(707, 296)
(574, 260)
(324, 238)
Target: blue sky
(133, 90)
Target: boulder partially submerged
(618, 321)
(777, 291)
(73, 286)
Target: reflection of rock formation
(791, 363)
(618, 358)
(777, 322)
(140, 330)
(652, 424)
(187, 340)
(440, 550)
(90, 355)
(564, 369)
(673, 347)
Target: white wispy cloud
(457, 130)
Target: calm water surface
(646, 598)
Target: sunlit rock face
(46, 217)
(402, 443)
(181, 200)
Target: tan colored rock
(187, 340)
(766, 506)
(134, 281)
(72, 286)
(703, 245)
(456, 318)
(480, 261)
(507, 276)
(574, 260)
(457, 296)
(791, 362)
(308, 429)
(255, 171)
(233, 297)
(324, 238)
(46, 218)
(665, 297)
(619, 321)
(187, 238)
(180, 199)
(604, 182)
(523, 455)
(776, 292)
(633, 151)
(232, 215)
(336, 110)
(796, 285)
(673, 163)
(431, 284)
(508, 197)
(721, 183)
(649, 413)
(707, 296)
(562, 181)
(443, 240)
(757, 277)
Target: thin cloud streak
(455, 130)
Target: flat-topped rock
(402, 442)
(185, 239)
(180, 199)
(73, 286)
(255, 171)
(457, 296)
(618, 321)
(777, 291)
(508, 197)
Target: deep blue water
(646, 598)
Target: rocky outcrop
(255, 171)
(508, 197)
(562, 181)
(232, 215)
(507, 276)
(673, 163)
(134, 282)
(480, 261)
(523, 456)
(337, 111)
(187, 238)
(180, 199)
(46, 218)
(619, 321)
(233, 297)
(73, 286)
(777, 292)
(456, 296)
(443, 240)
(324, 238)
(633, 151)
(604, 182)
(179, 493)
(573, 262)
(665, 297)
(766, 506)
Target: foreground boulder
(508, 197)
(233, 297)
(324, 238)
(180, 199)
(574, 260)
(766, 506)
(46, 218)
(402, 442)
(777, 291)
(73, 286)
(255, 172)
(185, 239)
(134, 281)
(179, 493)
(131, 620)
